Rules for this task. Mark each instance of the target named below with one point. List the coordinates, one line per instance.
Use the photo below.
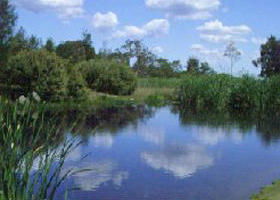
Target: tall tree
(144, 57)
(206, 69)
(7, 23)
(269, 60)
(193, 65)
(78, 50)
(50, 46)
(233, 54)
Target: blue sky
(176, 29)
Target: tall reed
(31, 163)
(222, 92)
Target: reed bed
(223, 92)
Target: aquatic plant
(222, 92)
(31, 164)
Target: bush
(108, 76)
(36, 71)
(76, 87)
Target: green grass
(271, 192)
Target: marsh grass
(223, 92)
(31, 163)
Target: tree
(193, 65)
(7, 23)
(20, 42)
(77, 51)
(269, 60)
(233, 54)
(206, 69)
(144, 57)
(50, 46)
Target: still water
(169, 155)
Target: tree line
(71, 68)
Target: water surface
(167, 155)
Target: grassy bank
(223, 92)
(271, 192)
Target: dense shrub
(36, 71)
(76, 87)
(108, 76)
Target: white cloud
(181, 161)
(65, 9)
(204, 51)
(157, 50)
(105, 21)
(258, 41)
(185, 9)
(217, 27)
(97, 174)
(154, 28)
(216, 31)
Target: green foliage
(158, 82)
(269, 60)
(222, 92)
(195, 67)
(108, 76)
(31, 163)
(77, 51)
(205, 92)
(37, 71)
(7, 23)
(76, 87)
(164, 68)
(50, 46)
(20, 42)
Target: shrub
(36, 71)
(76, 87)
(108, 76)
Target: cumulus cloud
(185, 9)
(105, 21)
(154, 28)
(65, 9)
(181, 161)
(97, 174)
(204, 51)
(216, 31)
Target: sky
(174, 29)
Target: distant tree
(144, 57)
(77, 51)
(206, 69)
(33, 43)
(193, 65)
(20, 42)
(269, 60)
(164, 68)
(50, 46)
(89, 49)
(7, 23)
(233, 54)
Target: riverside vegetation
(73, 75)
